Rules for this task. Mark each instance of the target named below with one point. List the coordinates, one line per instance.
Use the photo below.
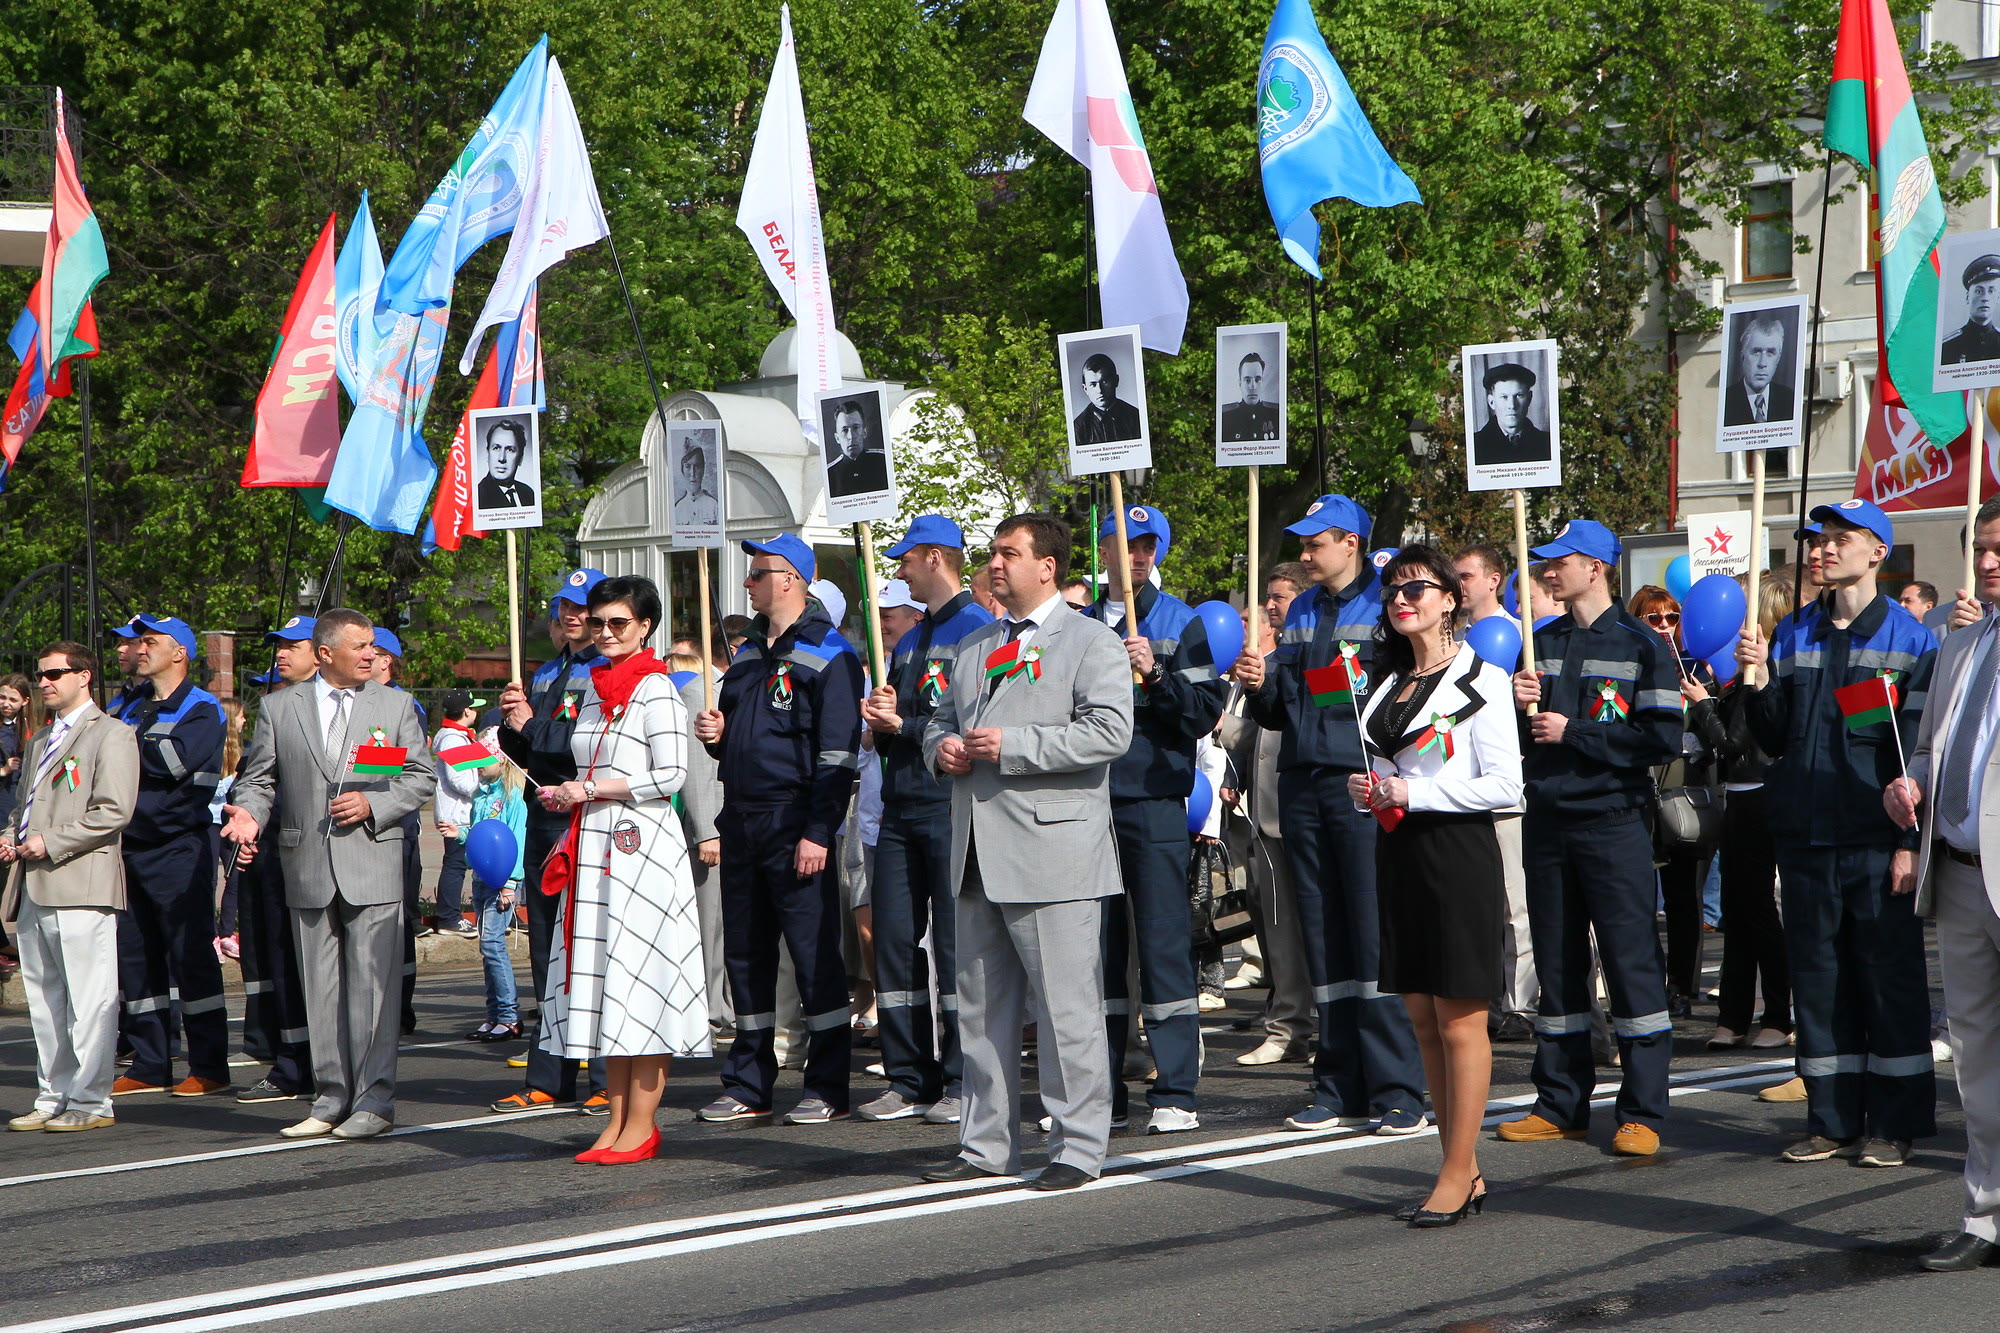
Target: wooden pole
(513, 611)
(1523, 592)
(707, 646)
(875, 662)
(1975, 472)
(1121, 576)
(1250, 605)
(1753, 601)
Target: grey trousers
(351, 964)
(1518, 950)
(1968, 940)
(708, 910)
(1289, 1012)
(1014, 960)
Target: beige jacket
(81, 808)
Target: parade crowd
(993, 847)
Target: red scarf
(616, 681)
(460, 726)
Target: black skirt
(1442, 900)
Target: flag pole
(91, 608)
(1319, 411)
(866, 531)
(1975, 471)
(513, 610)
(333, 565)
(1523, 596)
(707, 644)
(632, 312)
(1805, 444)
(1751, 602)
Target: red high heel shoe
(644, 1152)
(592, 1154)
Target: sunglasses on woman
(1413, 591)
(617, 624)
(1659, 618)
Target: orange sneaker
(598, 1103)
(528, 1099)
(1635, 1140)
(126, 1085)
(195, 1086)
(1534, 1129)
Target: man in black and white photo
(1978, 340)
(856, 464)
(1755, 393)
(506, 450)
(1251, 418)
(1106, 416)
(1508, 435)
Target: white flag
(780, 216)
(1080, 100)
(560, 212)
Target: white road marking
(621, 1246)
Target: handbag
(1219, 911)
(559, 869)
(1687, 817)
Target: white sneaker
(1172, 1120)
(1275, 1050)
(34, 1119)
(1244, 980)
(1940, 1051)
(1768, 1039)
(1048, 1123)
(1208, 1003)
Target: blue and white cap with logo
(1581, 536)
(292, 631)
(1857, 513)
(789, 548)
(128, 630)
(171, 626)
(928, 530)
(1143, 521)
(576, 588)
(1333, 511)
(387, 641)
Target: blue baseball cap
(264, 678)
(1857, 513)
(928, 530)
(1143, 521)
(1805, 530)
(174, 628)
(128, 630)
(576, 586)
(387, 641)
(298, 627)
(787, 547)
(1333, 511)
(1581, 536)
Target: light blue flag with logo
(1313, 139)
(357, 302)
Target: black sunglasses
(1412, 591)
(757, 574)
(57, 673)
(617, 624)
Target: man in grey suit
(340, 841)
(1029, 738)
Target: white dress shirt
(325, 695)
(1033, 621)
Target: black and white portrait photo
(860, 480)
(1250, 394)
(694, 476)
(505, 451)
(1104, 396)
(1511, 425)
(1968, 312)
(1762, 387)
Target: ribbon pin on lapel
(1611, 705)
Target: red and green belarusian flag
(1871, 117)
(1868, 702)
(1331, 684)
(1011, 660)
(73, 259)
(470, 755)
(380, 761)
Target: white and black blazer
(1472, 710)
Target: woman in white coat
(626, 980)
(1444, 754)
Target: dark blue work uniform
(791, 726)
(166, 933)
(541, 747)
(1368, 1063)
(1587, 856)
(912, 884)
(1860, 987)
(1149, 790)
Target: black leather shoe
(959, 1169)
(1061, 1176)
(1961, 1254)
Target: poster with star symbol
(1718, 544)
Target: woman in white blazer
(1444, 754)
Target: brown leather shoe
(1791, 1090)
(1534, 1129)
(195, 1086)
(1635, 1140)
(127, 1085)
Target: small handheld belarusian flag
(1868, 702)
(1331, 684)
(1011, 660)
(380, 761)
(471, 755)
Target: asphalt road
(191, 1215)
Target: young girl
(498, 797)
(228, 944)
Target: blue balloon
(1497, 640)
(1510, 596)
(1545, 622)
(1678, 575)
(492, 852)
(1723, 664)
(1711, 615)
(1201, 798)
(680, 678)
(1224, 624)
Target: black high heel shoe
(1475, 1201)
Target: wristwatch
(1157, 674)
(589, 791)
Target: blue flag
(357, 303)
(1313, 139)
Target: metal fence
(27, 143)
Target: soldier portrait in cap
(1968, 312)
(1761, 402)
(509, 491)
(1250, 394)
(859, 476)
(1104, 397)
(694, 480)
(1510, 415)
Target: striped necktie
(57, 731)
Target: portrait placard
(1250, 394)
(1104, 400)
(854, 444)
(1968, 312)
(1762, 404)
(695, 482)
(1513, 434)
(507, 451)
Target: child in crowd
(498, 797)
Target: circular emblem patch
(1138, 513)
(1315, 506)
(1382, 558)
(576, 579)
(292, 622)
(625, 836)
(1292, 99)
(1850, 504)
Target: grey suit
(343, 884)
(1255, 839)
(701, 802)
(1032, 859)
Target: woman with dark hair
(625, 969)
(15, 693)
(1444, 754)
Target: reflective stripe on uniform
(801, 657)
(1824, 1066)
(1611, 670)
(202, 1006)
(1645, 1025)
(832, 1018)
(1348, 990)
(258, 987)
(1560, 1025)
(176, 767)
(1882, 659)
(1670, 700)
(1160, 1013)
(756, 1022)
(294, 1036)
(838, 759)
(1117, 1007)
(948, 1003)
(899, 999)
(148, 1005)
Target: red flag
(298, 414)
(31, 394)
(1901, 469)
(451, 512)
